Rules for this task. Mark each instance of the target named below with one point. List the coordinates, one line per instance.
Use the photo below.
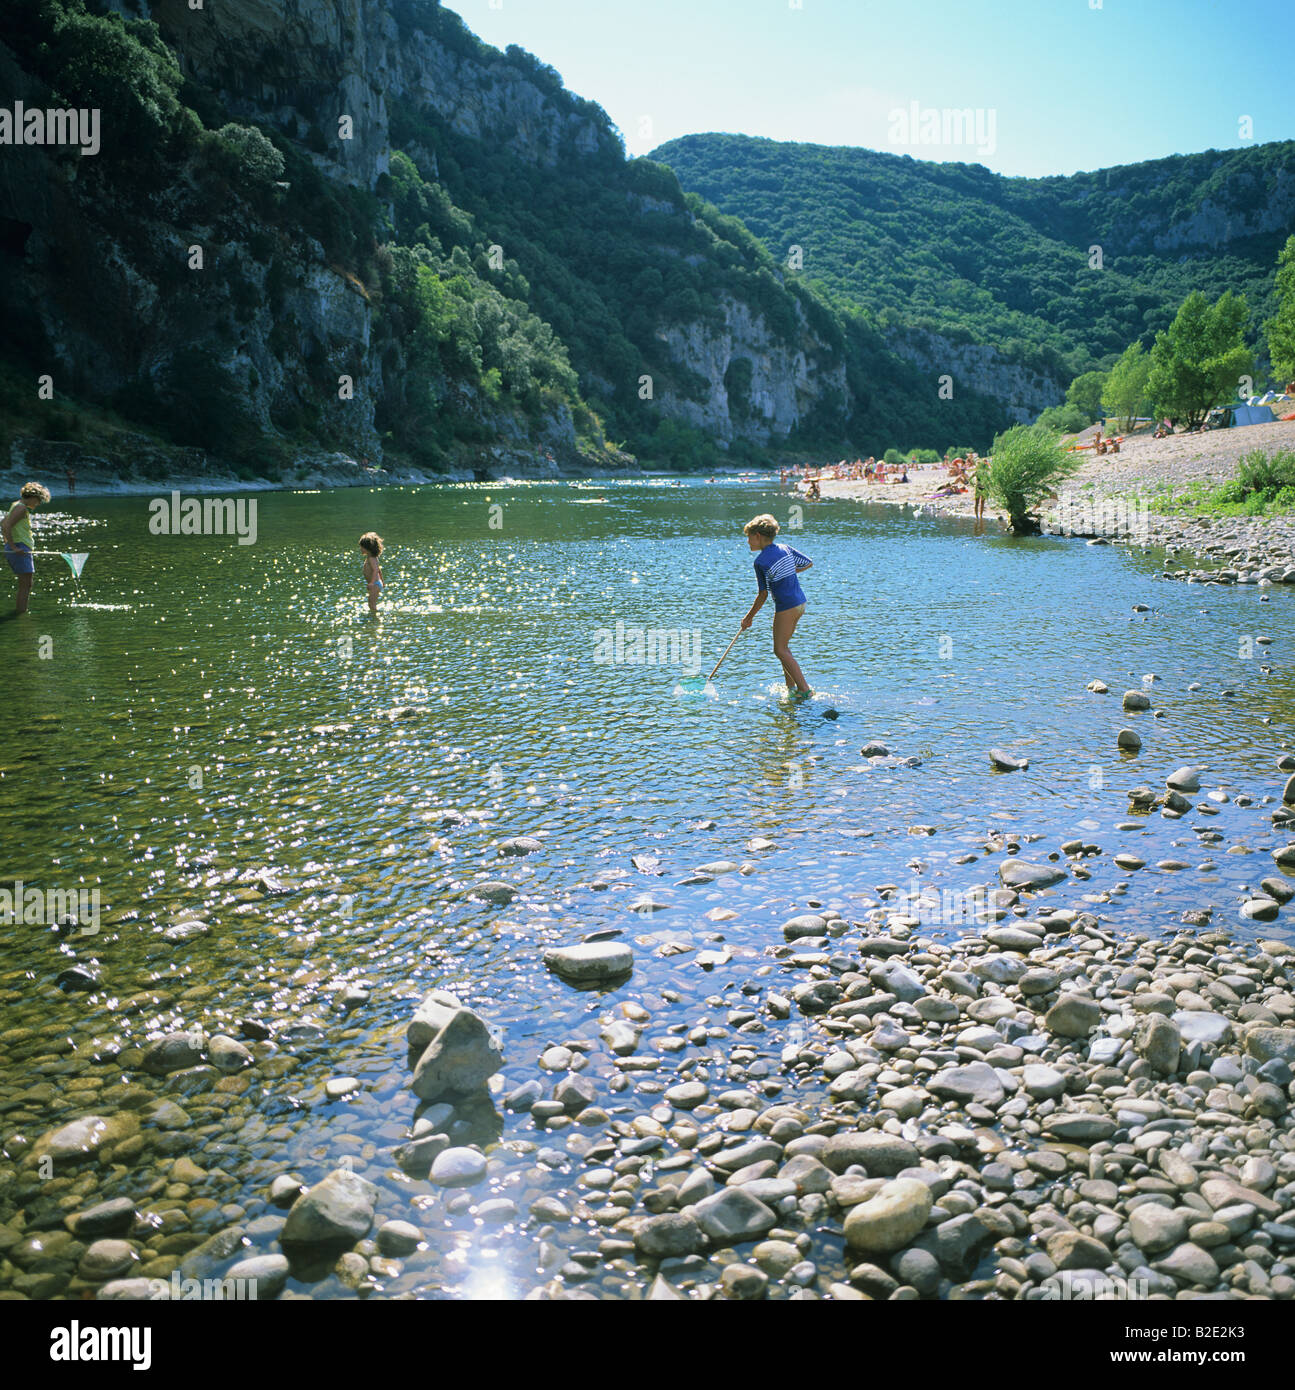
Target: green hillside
(961, 250)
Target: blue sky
(1071, 84)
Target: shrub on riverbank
(1263, 486)
(1028, 466)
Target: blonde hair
(34, 491)
(371, 542)
(764, 525)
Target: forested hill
(957, 249)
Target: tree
(243, 153)
(1026, 467)
(1199, 360)
(1281, 327)
(1064, 419)
(124, 70)
(1085, 393)
(1126, 385)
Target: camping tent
(1251, 415)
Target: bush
(245, 156)
(1027, 465)
(892, 456)
(124, 70)
(1063, 419)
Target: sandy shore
(1143, 466)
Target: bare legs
(24, 590)
(784, 624)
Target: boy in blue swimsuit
(776, 569)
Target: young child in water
(18, 544)
(776, 569)
(371, 544)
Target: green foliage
(122, 68)
(1063, 419)
(243, 154)
(1281, 327)
(1085, 394)
(1125, 390)
(972, 255)
(737, 382)
(892, 456)
(1263, 486)
(1198, 361)
(1027, 467)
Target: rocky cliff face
(781, 381)
(979, 367)
(304, 64)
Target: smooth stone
(687, 1095)
(670, 1235)
(459, 1060)
(458, 1167)
(111, 1218)
(890, 1220)
(1074, 1250)
(1200, 1026)
(1043, 1082)
(172, 1052)
(432, 1014)
(898, 980)
(1189, 1264)
(808, 924)
(398, 1238)
(595, 962)
(1073, 1016)
(1080, 1128)
(1155, 1228)
(339, 1207)
(1159, 1043)
(1266, 1043)
(81, 1139)
(743, 1282)
(732, 1216)
(879, 1154)
(977, 1082)
(107, 1259)
(227, 1054)
(265, 1275)
(1018, 873)
(1186, 779)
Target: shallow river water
(206, 729)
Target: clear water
(202, 711)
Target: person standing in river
(776, 569)
(18, 543)
(372, 545)
(980, 485)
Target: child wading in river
(776, 569)
(16, 530)
(371, 544)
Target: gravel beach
(1003, 1097)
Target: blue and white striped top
(776, 567)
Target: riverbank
(140, 467)
(1143, 476)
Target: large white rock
(593, 962)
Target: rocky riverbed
(1008, 1097)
